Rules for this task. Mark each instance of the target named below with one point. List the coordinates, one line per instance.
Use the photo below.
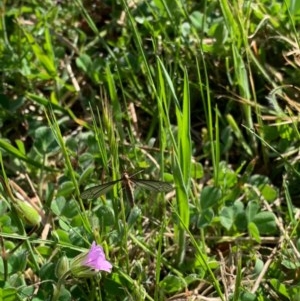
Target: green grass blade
(60, 140)
(17, 153)
(183, 170)
(41, 55)
(182, 150)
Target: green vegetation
(203, 95)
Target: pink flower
(95, 259)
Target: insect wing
(95, 191)
(152, 185)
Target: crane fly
(127, 182)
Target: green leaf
(18, 261)
(241, 221)
(265, 222)
(86, 174)
(44, 251)
(70, 209)
(220, 34)
(47, 271)
(57, 205)
(41, 56)
(270, 133)
(227, 177)
(210, 197)
(269, 192)
(9, 104)
(240, 216)
(294, 7)
(294, 293)
(251, 210)
(172, 284)
(196, 18)
(8, 294)
(135, 214)
(238, 207)
(21, 146)
(66, 188)
(259, 265)
(191, 278)
(197, 170)
(64, 294)
(254, 232)
(203, 262)
(286, 132)
(258, 180)
(227, 217)
(247, 296)
(206, 218)
(115, 285)
(291, 265)
(45, 141)
(61, 236)
(185, 28)
(279, 287)
(84, 62)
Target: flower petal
(96, 259)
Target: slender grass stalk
(288, 165)
(138, 41)
(292, 22)
(19, 222)
(100, 138)
(4, 144)
(217, 145)
(243, 84)
(116, 110)
(208, 111)
(159, 259)
(238, 280)
(232, 16)
(57, 133)
(290, 205)
(108, 130)
(202, 255)
(238, 133)
(181, 147)
(149, 251)
(87, 17)
(141, 294)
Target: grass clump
(200, 96)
